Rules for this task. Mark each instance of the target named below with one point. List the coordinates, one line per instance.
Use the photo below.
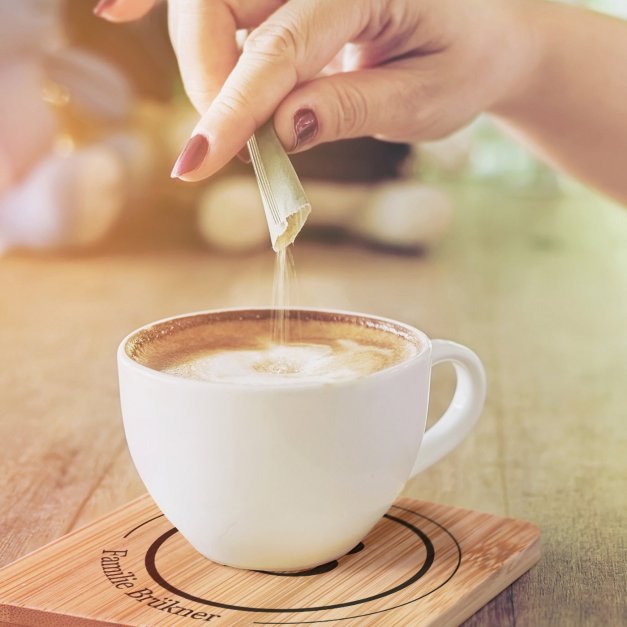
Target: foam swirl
(287, 363)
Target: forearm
(572, 105)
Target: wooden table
(538, 287)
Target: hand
(401, 70)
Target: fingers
(123, 10)
(203, 36)
(290, 47)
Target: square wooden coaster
(423, 564)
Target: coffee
(239, 347)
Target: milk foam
(287, 363)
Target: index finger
(203, 36)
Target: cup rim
(123, 357)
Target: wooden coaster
(423, 564)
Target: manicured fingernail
(103, 6)
(305, 126)
(244, 155)
(192, 155)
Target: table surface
(537, 286)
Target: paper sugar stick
(282, 194)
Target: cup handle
(462, 414)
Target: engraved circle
(420, 535)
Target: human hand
(399, 70)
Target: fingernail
(305, 126)
(192, 155)
(103, 6)
(244, 155)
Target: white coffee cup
(287, 478)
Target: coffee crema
(238, 347)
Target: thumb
(384, 102)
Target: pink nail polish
(102, 7)
(192, 156)
(305, 126)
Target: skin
(405, 70)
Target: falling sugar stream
(283, 326)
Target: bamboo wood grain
(423, 565)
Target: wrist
(526, 60)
